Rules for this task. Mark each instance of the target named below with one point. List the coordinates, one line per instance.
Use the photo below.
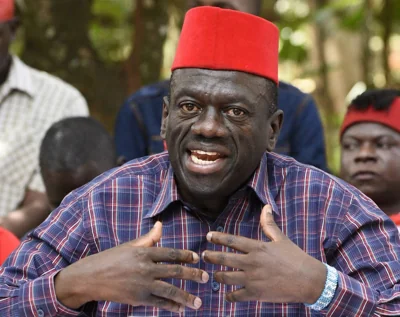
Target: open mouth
(205, 162)
(204, 158)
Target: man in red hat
(220, 226)
(370, 142)
(30, 101)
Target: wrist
(316, 283)
(70, 289)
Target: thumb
(150, 238)
(268, 225)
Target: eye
(235, 112)
(383, 145)
(350, 146)
(189, 107)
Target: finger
(175, 294)
(230, 278)
(241, 295)
(149, 239)
(181, 272)
(234, 260)
(239, 243)
(164, 303)
(268, 225)
(173, 255)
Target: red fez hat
(6, 10)
(389, 117)
(221, 39)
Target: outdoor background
(108, 49)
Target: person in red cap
(137, 126)
(219, 225)
(370, 143)
(30, 101)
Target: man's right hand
(130, 274)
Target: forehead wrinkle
(221, 84)
(370, 130)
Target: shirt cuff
(329, 290)
(38, 298)
(352, 298)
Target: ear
(275, 121)
(164, 117)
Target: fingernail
(181, 309)
(197, 303)
(205, 277)
(203, 254)
(209, 236)
(195, 257)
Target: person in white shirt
(30, 102)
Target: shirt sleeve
(307, 142)
(27, 276)
(367, 261)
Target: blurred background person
(73, 152)
(137, 128)
(370, 144)
(30, 101)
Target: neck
(210, 208)
(390, 208)
(5, 69)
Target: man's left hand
(276, 272)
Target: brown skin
(371, 162)
(33, 211)
(130, 273)
(60, 184)
(221, 111)
(227, 112)
(274, 272)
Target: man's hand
(275, 272)
(130, 274)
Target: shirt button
(215, 286)
(40, 313)
(220, 229)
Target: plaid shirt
(30, 102)
(324, 216)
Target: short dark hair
(73, 142)
(379, 99)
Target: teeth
(204, 153)
(196, 160)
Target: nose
(210, 124)
(367, 153)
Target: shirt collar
(19, 78)
(261, 183)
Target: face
(371, 160)
(248, 6)
(7, 32)
(217, 126)
(60, 184)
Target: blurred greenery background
(333, 49)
